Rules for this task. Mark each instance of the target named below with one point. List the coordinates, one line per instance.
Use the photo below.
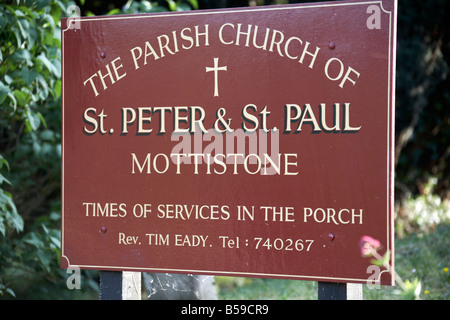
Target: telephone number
(283, 244)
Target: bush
(30, 149)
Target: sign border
(390, 134)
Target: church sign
(249, 142)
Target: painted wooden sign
(250, 142)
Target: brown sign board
(247, 142)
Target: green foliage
(236, 288)
(410, 290)
(144, 6)
(423, 212)
(9, 218)
(423, 97)
(30, 90)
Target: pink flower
(367, 245)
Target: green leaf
(47, 135)
(41, 4)
(10, 212)
(32, 120)
(24, 25)
(2, 178)
(41, 117)
(50, 20)
(17, 221)
(3, 21)
(57, 88)
(113, 12)
(2, 226)
(55, 241)
(13, 99)
(50, 66)
(33, 240)
(43, 94)
(181, 6)
(19, 13)
(11, 292)
(8, 79)
(3, 161)
(32, 37)
(21, 97)
(172, 5)
(411, 290)
(28, 75)
(4, 90)
(22, 55)
(194, 4)
(45, 257)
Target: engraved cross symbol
(216, 70)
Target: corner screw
(331, 45)
(331, 236)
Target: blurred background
(30, 153)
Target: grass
(421, 255)
(233, 288)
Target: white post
(131, 285)
(354, 291)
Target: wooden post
(110, 285)
(116, 285)
(339, 291)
